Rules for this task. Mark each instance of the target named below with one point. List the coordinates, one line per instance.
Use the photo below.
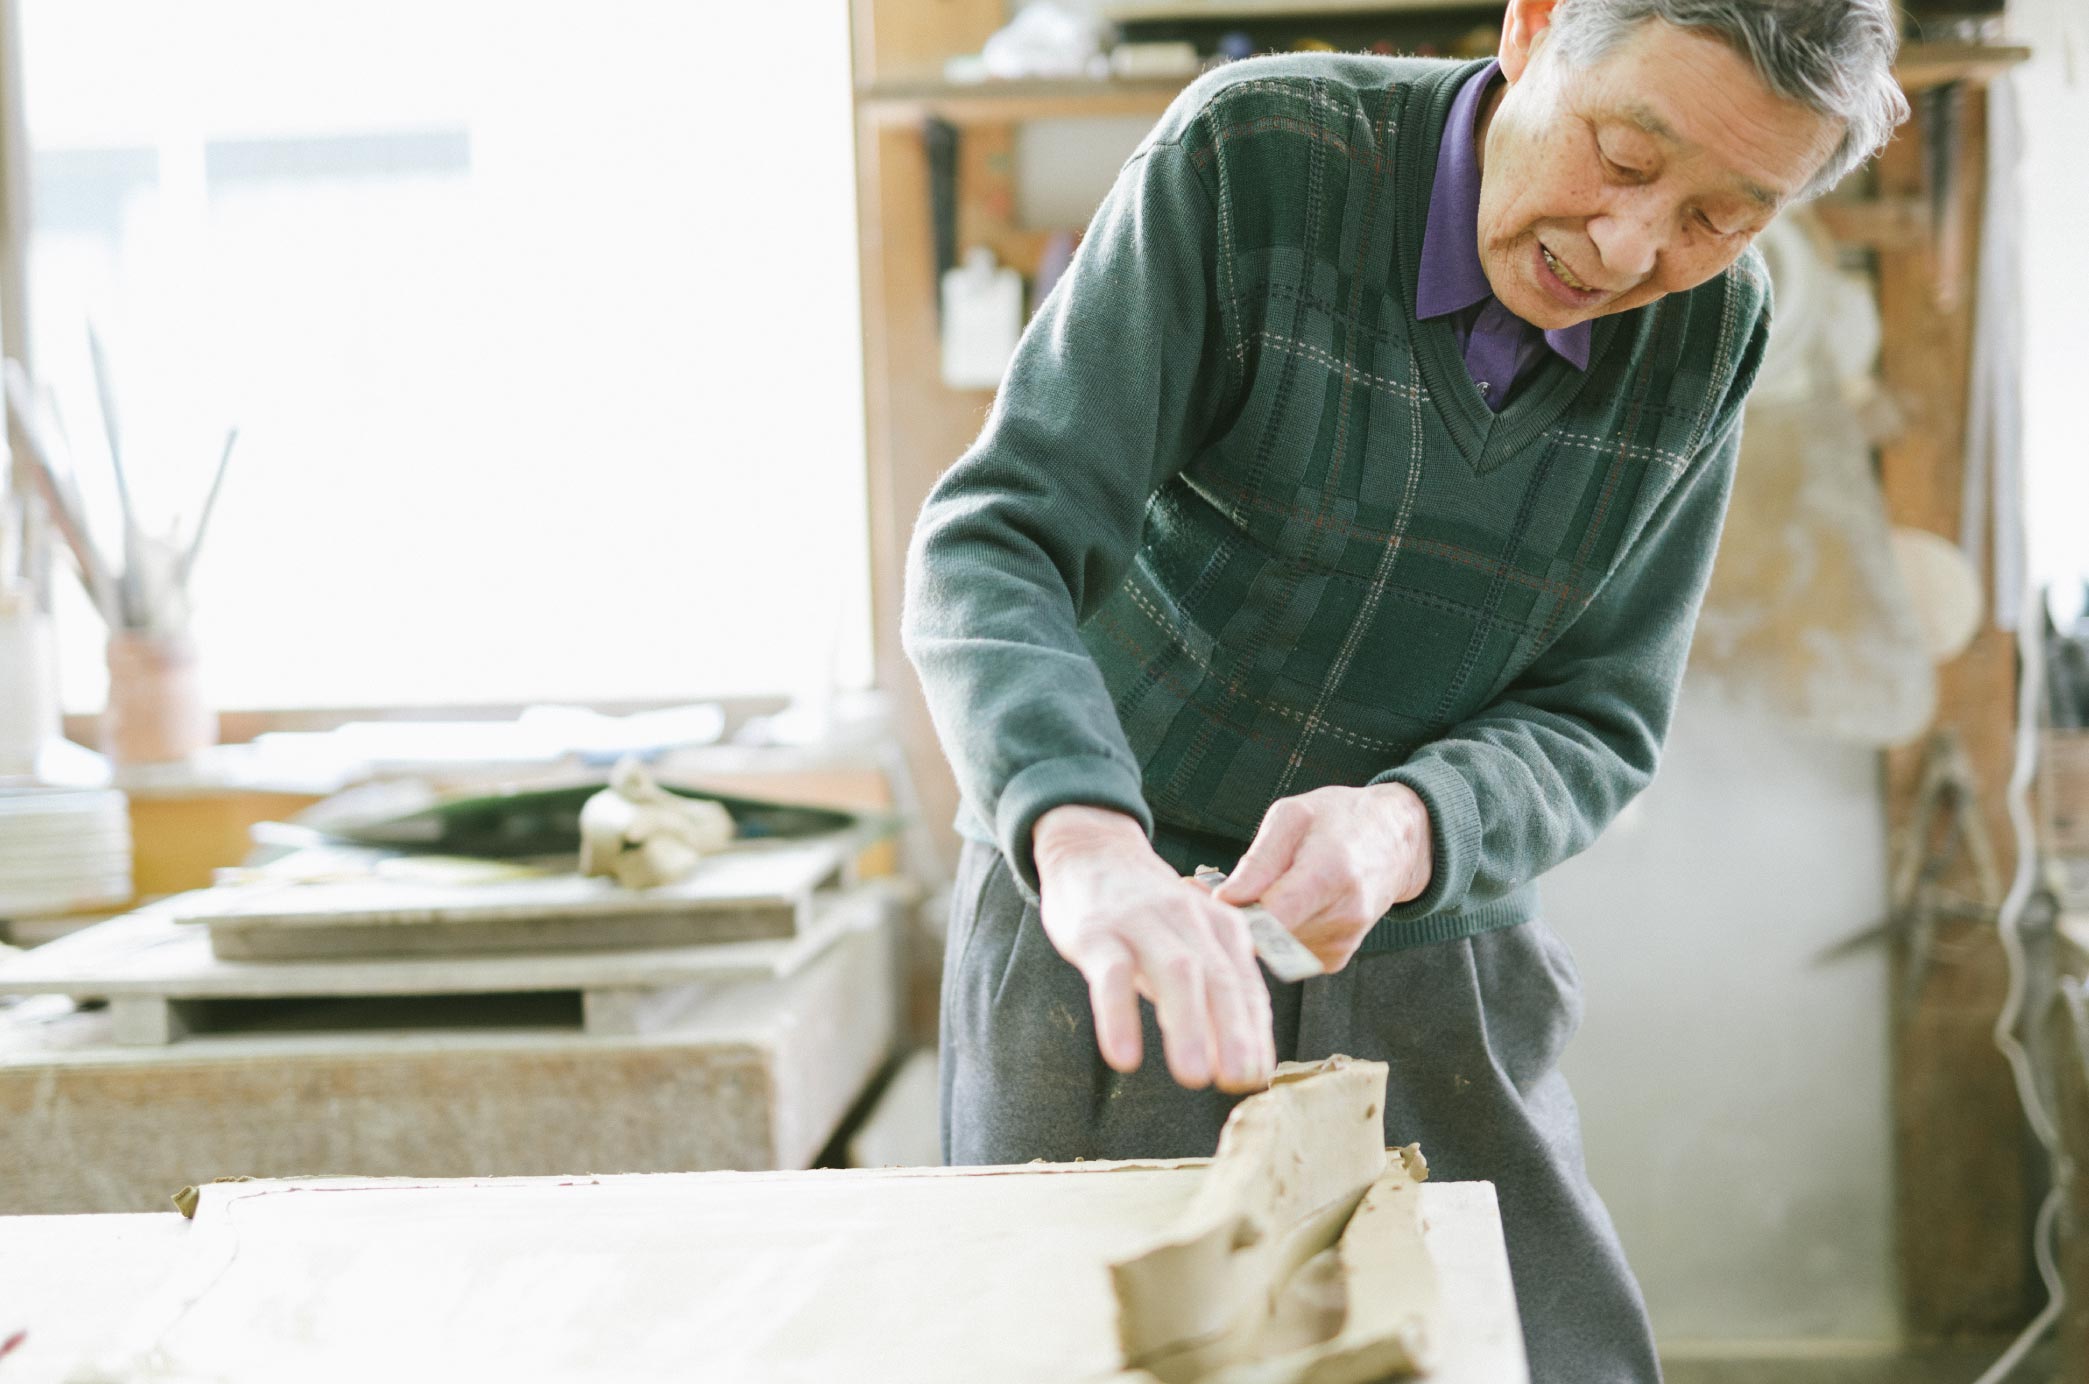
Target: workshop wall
(1733, 1087)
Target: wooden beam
(986, 201)
(1000, 103)
(908, 89)
(916, 427)
(909, 39)
(1876, 223)
(1963, 1203)
(1926, 65)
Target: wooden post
(1963, 1202)
(916, 427)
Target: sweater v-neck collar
(1486, 438)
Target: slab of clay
(1292, 1165)
(1366, 1309)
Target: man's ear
(1526, 23)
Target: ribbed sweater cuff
(1091, 780)
(1454, 835)
(1388, 935)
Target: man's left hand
(1329, 863)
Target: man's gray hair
(1834, 57)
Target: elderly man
(1342, 522)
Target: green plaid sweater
(1239, 526)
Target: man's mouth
(1566, 276)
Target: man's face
(1605, 186)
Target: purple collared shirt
(1500, 348)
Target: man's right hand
(1133, 927)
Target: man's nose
(1628, 238)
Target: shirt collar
(1451, 275)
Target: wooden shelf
(914, 426)
(1922, 66)
(1012, 102)
(1195, 11)
(1926, 65)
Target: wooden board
(148, 953)
(755, 1075)
(918, 1274)
(66, 1281)
(1963, 1204)
(156, 974)
(740, 895)
(179, 838)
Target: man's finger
(1259, 1015)
(1176, 976)
(1109, 969)
(1230, 928)
(1276, 842)
(1229, 979)
(1260, 1032)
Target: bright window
(2054, 112)
(539, 322)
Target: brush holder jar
(157, 713)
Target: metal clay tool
(1287, 958)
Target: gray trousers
(1472, 1032)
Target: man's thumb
(1266, 859)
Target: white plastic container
(982, 318)
(28, 687)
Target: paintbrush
(167, 606)
(58, 444)
(57, 441)
(210, 502)
(105, 391)
(14, 545)
(101, 589)
(14, 530)
(67, 513)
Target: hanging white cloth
(1994, 479)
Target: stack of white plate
(63, 850)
